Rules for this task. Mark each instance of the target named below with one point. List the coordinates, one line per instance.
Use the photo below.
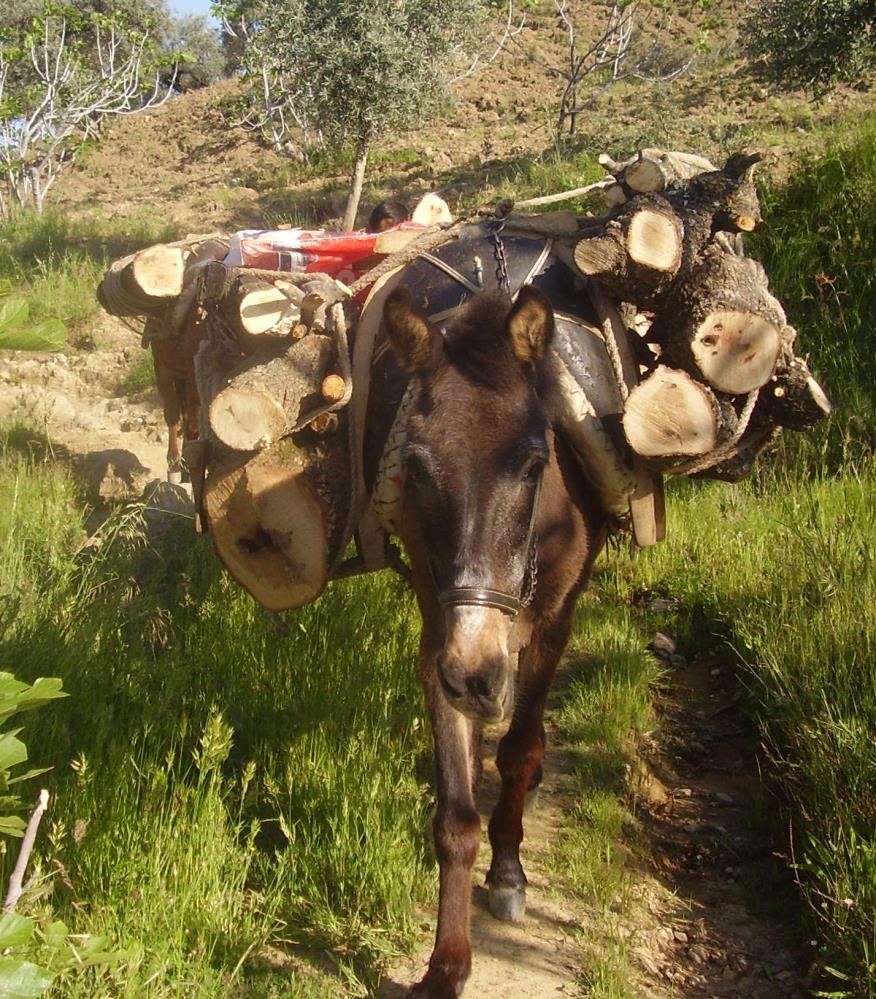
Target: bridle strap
(480, 596)
(484, 596)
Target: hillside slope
(188, 163)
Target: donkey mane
(477, 345)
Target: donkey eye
(415, 471)
(533, 470)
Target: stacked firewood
(718, 372)
(274, 379)
(704, 363)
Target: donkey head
(476, 447)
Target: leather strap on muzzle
(480, 596)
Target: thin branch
(17, 877)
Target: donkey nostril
(452, 686)
(484, 685)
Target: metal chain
(496, 226)
(531, 578)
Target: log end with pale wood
(670, 415)
(269, 525)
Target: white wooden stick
(17, 876)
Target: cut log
(735, 350)
(256, 307)
(158, 271)
(653, 170)
(333, 388)
(793, 398)
(637, 251)
(145, 283)
(267, 399)
(669, 415)
(721, 323)
(714, 202)
(268, 525)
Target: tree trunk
(349, 221)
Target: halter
(485, 596)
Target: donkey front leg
(457, 836)
(518, 760)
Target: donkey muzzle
(475, 668)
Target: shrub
(814, 43)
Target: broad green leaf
(51, 334)
(22, 980)
(17, 696)
(15, 930)
(13, 312)
(12, 751)
(12, 825)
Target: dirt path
(712, 913)
(540, 956)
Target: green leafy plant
(16, 697)
(19, 332)
(19, 979)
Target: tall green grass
(784, 579)
(55, 264)
(222, 795)
(817, 244)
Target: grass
(818, 247)
(781, 575)
(56, 265)
(219, 793)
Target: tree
(192, 52)
(631, 44)
(62, 74)
(813, 43)
(349, 73)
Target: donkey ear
(408, 331)
(531, 325)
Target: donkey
(502, 531)
(173, 358)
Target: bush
(814, 43)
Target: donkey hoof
(507, 903)
(174, 476)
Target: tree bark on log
(270, 398)
(793, 398)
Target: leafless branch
(16, 878)
(70, 106)
(512, 27)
